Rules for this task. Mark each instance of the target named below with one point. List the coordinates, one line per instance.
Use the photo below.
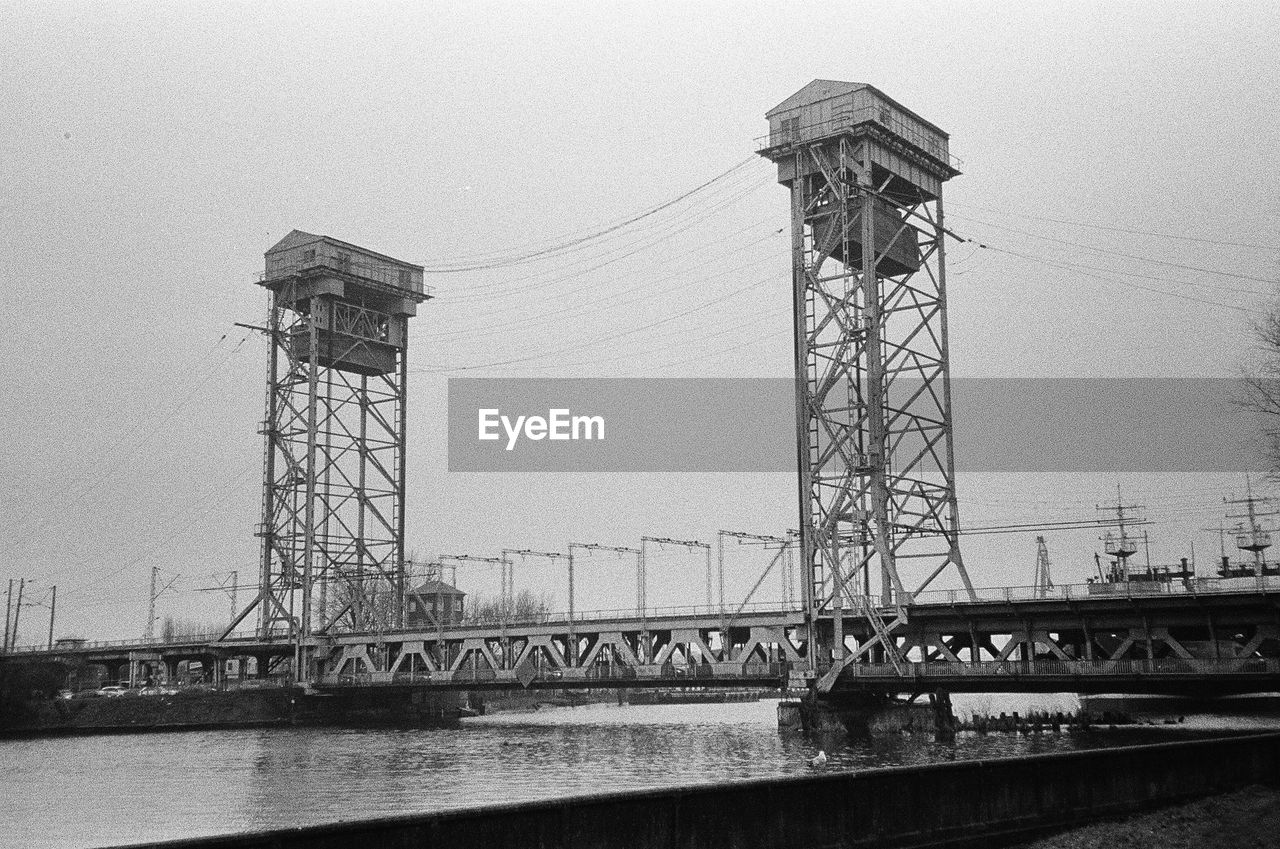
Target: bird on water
(820, 760)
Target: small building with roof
(434, 603)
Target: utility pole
(1042, 582)
(150, 631)
(17, 613)
(53, 606)
(591, 546)
(553, 556)
(151, 601)
(504, 564)
(228, 584)
(743, 539)
(642, 582)
(8, 615)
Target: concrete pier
(865, 714)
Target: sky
(1118, 159)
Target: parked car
(112, 690)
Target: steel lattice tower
(878, 514)
(334, 472)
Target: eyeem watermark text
(558, 425)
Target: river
(114, 789)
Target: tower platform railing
(852, 118)
(380, 273)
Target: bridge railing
(194, 640)
(630, 613)
(1069, 668)
(1100, 590)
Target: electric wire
(1137, 257)
(101, 477)
(588, 264)
(521, 258)
(612, 301)
(610, 337)
(1111, 228)
(75, 483)
(1085, 271)
(206, 507)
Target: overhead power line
(1153, 260)
(613, 300)
(1114, 229)
(608, 338)
(1086, 269)
(666, 229)
(520, 258)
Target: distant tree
(1262, 383)
(482, 610)
(367, 605)
(177, 629)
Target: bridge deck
(1156, 638)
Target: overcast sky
(153, 152)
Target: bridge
(1211, 636)
(878, 519)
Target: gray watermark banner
(748, 425)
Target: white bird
(820, 760)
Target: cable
(1063, 265)
(526, 257)
(85, 475)
(607, 338)
(139, 441)
(674, 228)
(218, 499)
(1118, 229)
(609, 301)
(495, 255)
(755, 319)
(1139, 258)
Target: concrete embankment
(244, 708)
(963, 803)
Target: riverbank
(1243, 818)
(203, 709)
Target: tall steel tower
(878, 515)
(334, 474)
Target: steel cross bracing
(879, 518)
(332, 530)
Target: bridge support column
(262, 667)
(866, 714)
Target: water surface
(114, 789)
